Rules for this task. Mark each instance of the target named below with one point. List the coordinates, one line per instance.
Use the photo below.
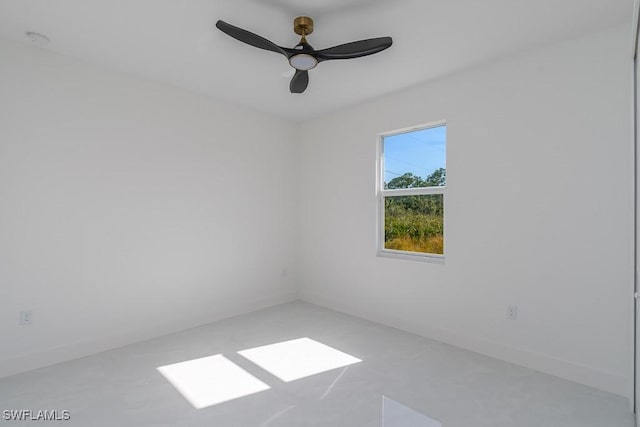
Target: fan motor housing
(303, 25)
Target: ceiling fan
(303, 57)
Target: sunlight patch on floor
(211, 380)
(299, 358)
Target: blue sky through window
(419, 152)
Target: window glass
(415, 159)
(414, 223)
(412, 192)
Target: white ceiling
(174, 41)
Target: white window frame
(381, 193)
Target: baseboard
(66, 352)
(601, 380)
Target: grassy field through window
(414, 223)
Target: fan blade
(249, 38)
(355, 49)
(299, 81)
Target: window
(411, 191)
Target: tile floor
(200, 378)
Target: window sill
(411, 256)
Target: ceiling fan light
(303, 62)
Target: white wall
(538, 212)
(130, 209)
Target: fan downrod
(303, 25)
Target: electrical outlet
(26, 317)
(512, 312)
